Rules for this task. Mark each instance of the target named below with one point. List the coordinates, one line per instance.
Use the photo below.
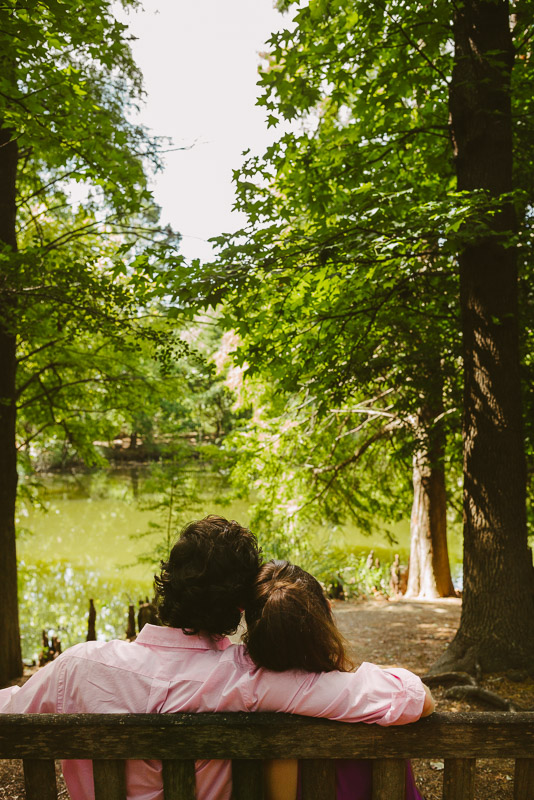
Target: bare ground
(409, 634)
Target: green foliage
(81, 390)
(174, 495)
(343, 278)
(85, 294)
(88, 357)
(343, 285)
(349, 576)
(68, 90)
(306, 468)
(178, 492)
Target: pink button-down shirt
(165, 671)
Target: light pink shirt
(165, 671)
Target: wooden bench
(247, 739)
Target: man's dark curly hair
(208, 578)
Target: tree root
(454, 678)
(465, 687)
(475, 692)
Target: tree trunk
(429, 574)
(91, 623)
(497, 624)
(10, 656)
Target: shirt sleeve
(39, 695)
(371, 694)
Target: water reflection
(55, 597)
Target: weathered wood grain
(109, 778)
(318, 779)
(179, 779)
(389, 779)
(524, 779)
(40, 779)
(459, 779)
(112, 736)
(247, 779)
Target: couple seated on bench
(292, 661)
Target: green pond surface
(100, 536)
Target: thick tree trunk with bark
(429, 574)
(497, 623)
(10, 657)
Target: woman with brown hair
(290, 627)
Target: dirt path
(411, 634)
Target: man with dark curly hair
(206, 583)
(188, 664)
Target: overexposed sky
(199, 59)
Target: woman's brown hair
(290, 624)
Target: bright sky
(199, 59)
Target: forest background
(361, 348)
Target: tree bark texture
(10, 656)
(497, 623)
(429, 574)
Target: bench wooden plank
(160, 736)
(179, 779)
(247, 779)
(459, 779)
(40, 779)
(389, 779)
(318, 779)
(109, 778)
(524, 779)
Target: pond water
(101, 535)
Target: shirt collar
(163, 636)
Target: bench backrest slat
(109, 779)
(459, 779)
(40, 779)
(179, 779)
(389, 778)
(318, 779)
(524, 779)
(247, 779)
